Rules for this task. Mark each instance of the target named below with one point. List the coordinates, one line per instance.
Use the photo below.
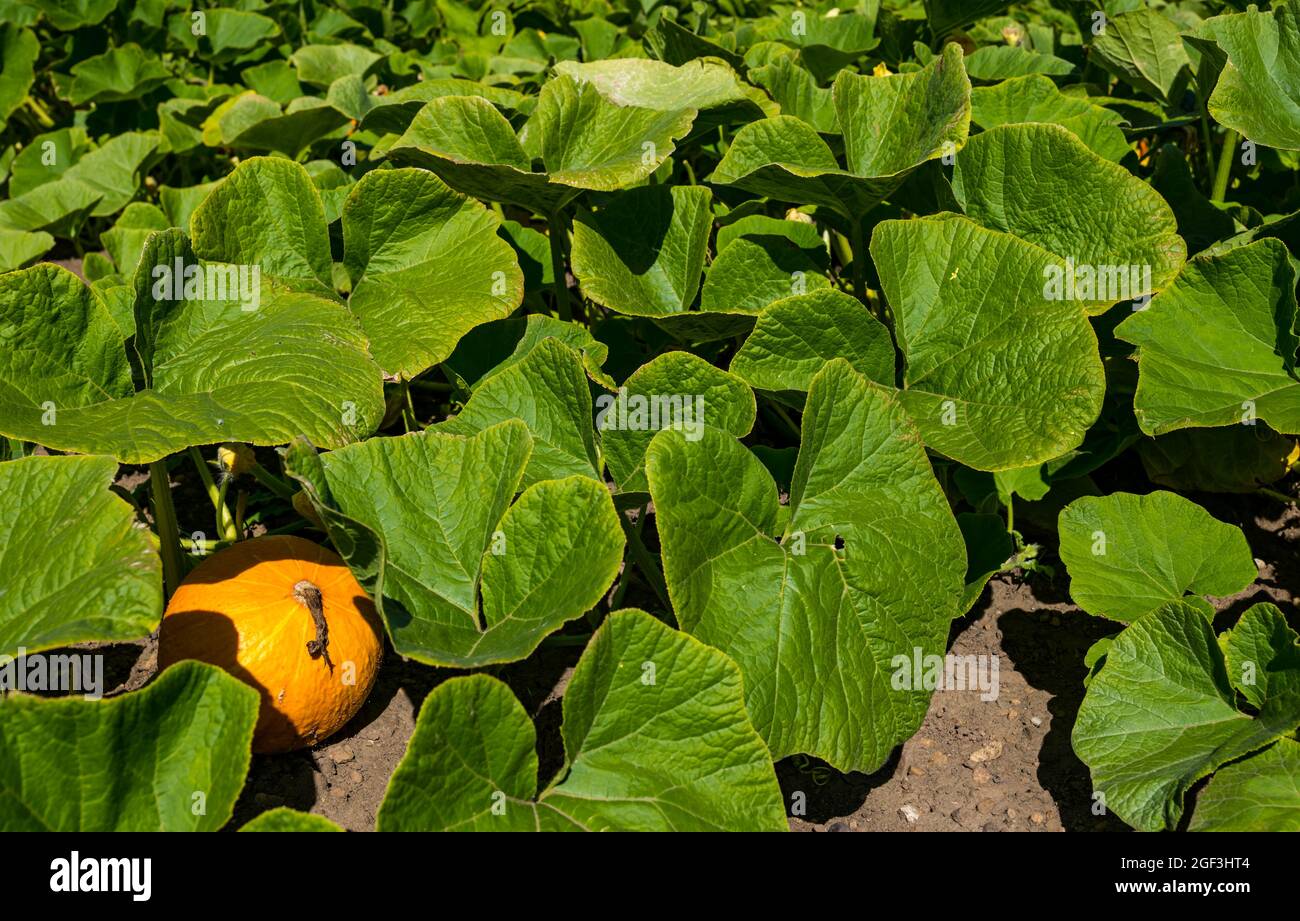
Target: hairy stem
(1224, 173)
(164, 517)
(555, 225)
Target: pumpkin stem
(308, 595)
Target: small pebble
(916, 771)
(1036, 720)
(356, 777)
(990, 752)
(837, 826)
(338, 792)
(342, 756)
(1012, 812)
(1036, 818)
(981, 776)
(939, 758)
(985, 806)
(910, 813)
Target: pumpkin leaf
(1128, 555)
(111, 586)
(655, 736)
(1218, 346)
(1035, 98)
(284, 819)
(870, 565)
(139, 762)
(959, 291)
(1161, 714)
(1259, 793)
(464, 577)
(1142, 47)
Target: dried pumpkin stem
(308, 595)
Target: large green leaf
(116, 75)
(426, 263)
(1259, 793)
(427, 266)
(676, 389)
(656, 737)
(108, 585)
(171, 757)
(890, 125)
(795, 337)
(295, 365)
(1218, 346)
(20, 50)
(996, 375)
(709, 86)
(583, 141)
(438, 507)
(945, 15)
(642, 253)
(1035, 98)
(815, 606)
(547, 388)
(1258, 92)
(1142, 48)
(395, 111)
(1043, 184)
(1128, 555)
(1161, 713)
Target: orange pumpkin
(285, 616)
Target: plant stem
(1223, 175)
(215, 494)
(645, 561)
(40, 112)
(272, 482)
(1274, 494)
(555, 226)
(859, 263)
(164, 517)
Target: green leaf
(494, 347)
(1258, 92)
(126, 240)
(18, 247)
(795, 337)
(133, 763)
(1035, 98)
(655, 735)
(996, 375)
(439, 509)
(583, 140)
(426, 266)
(395, 111)
(642, 253)
(1259, 793)
(1128, 555)
(267, 213)
(1218, 346)
(109, 586)
(797, 92)
(988, 548)
(1044, 185)
(253, 122)
(321, 65)
(676, 389)
(945, 15)
(1161, 714)
(117, 75)
(19, 50)
(1142, 48)
(237, 30)
(816, 628)
(890, 125)
(1235, 459)
(285, 819)
(1002, 62)
(547, 388)
(219, 372)
(753, 270)
(1262, 654)
(708, 86)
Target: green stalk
(40, 112)
(272, 482)
(1224, 173)
(217, 496)
(164, 517)
(1276, 495)
(859, 263)
(645, 562)
(555, 224)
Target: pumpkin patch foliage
(700, 363)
